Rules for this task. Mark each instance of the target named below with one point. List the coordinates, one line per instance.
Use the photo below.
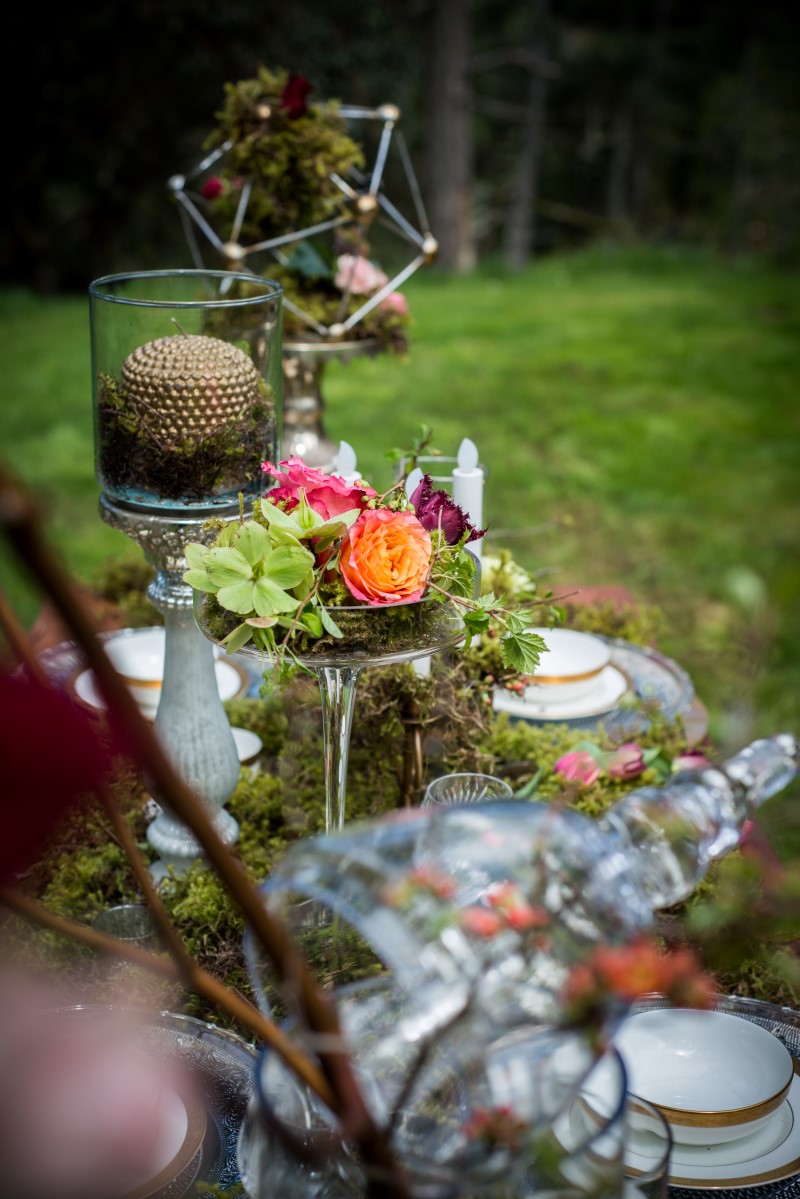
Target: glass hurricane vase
(469, 1111)
(371, 636)
(186, 369)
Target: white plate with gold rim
(232, 683)
(770, 1154)
(611, 686)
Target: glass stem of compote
(337, 686)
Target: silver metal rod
(346, 293)
(199, 219)
(386, 223)
(304, 317)
(210, 159)
(188, 232)
(380, 157)
(349, 191)
(405, 158)
(391, 286)
(298, 236)
(411, 233)
(352, 111)
(244, 200)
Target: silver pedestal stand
(191, 720)
(304, 362)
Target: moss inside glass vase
(189, 421)
(372, 634)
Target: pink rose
(362, 276)
(395, 302)
(691, 760)
(328, 495)
(579, 767)
(626, 762)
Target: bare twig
(20, 521)
(15, 635)
(202, 982)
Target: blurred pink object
(361, 275)
(691, 760)
(395, 302)
(82, 1105)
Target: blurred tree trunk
(450, 134)
(520, 236)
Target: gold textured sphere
(187, 387)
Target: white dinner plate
(770, 1154)
(232, 683)
(612, 684)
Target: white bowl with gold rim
(140, 661)
(715, 1077)
(570, 668)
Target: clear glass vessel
(371, 636)
(186, 371)
(469, 1110)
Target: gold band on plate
(568, 678)
(726, 1119)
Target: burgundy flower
(627, 762)
(435, 508)
(294, 97)
(211, 188)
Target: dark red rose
(435, 509)
(294, 97)
(211, 188)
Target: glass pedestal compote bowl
(371, 636)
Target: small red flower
(481, 922)
(211, 188)
(294, 97)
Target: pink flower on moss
(627, 762)
(395, 302)
(691, 760)
(578, 767)
(211, 188)
(328, 495)
(362, 276)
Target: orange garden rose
(386, 556)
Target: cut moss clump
(133, 459)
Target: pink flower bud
(691, 760)
(579, 767)
(626, 762)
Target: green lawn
(638, 412)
